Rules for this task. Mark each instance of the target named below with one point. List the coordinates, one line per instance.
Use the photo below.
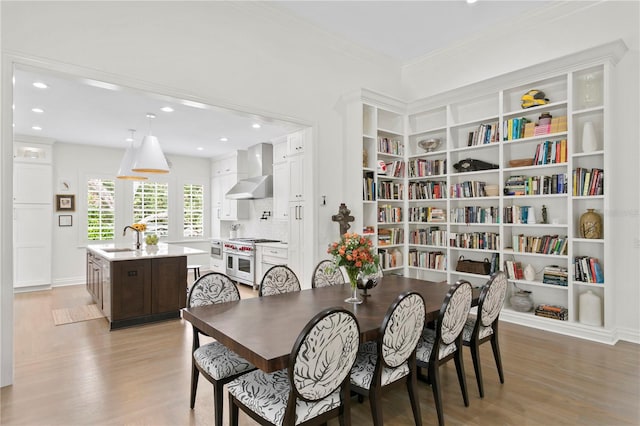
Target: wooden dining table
(263, 329)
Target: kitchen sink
(117, 250)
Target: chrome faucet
(137, 235)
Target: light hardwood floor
(82, 374)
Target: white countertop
(146, 252)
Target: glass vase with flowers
(356, 254)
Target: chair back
(451, 319)
(326, 274)
(492, 299)
(278, 279)
(401, 329)
(211, 288)
(323, 354)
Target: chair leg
(233, 412)
(218, 404)
(461, 377)
(376, 406)
(475, 356)
(496, 355)
(434, 378)
(194, 383)
(412, 387)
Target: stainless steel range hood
(259, 184)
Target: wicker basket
(521, 162)
(491, 190)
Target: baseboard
(62, 282)
(596, 334)
(30, 288)
(629, 335)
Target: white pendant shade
(149, 157)
(126, 165)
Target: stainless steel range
(240, 259)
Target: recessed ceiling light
(40, 85)
(101, 84)
(200, 148)
(194, 104)
(166, 109)
(471, 1)
(36, 127)
(37, 110)
(224, 139)
(151, 115)
(256, 126)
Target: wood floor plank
(83, 374)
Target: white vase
(590, 310)
(529, 273)
(589, 141)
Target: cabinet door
(296, 238)
(280, 151)
(280, 191)
(32, 183)
(295, 142)
(296, 178)
(216, 205)
(232, 209)
(32, 244)
(131, 289)
(169, 287)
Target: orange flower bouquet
(355, 253)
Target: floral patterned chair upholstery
(315, 386)
(392, 356)
(484, 327)
(277, 280)
(216, 362)
(439, 346)
(326, 274)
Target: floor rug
(76, 314)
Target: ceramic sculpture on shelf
(529, 273)
(589, 141)
(590, 225)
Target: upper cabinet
(225, 173)
(295, 142)
(280, 181)
(26, 152)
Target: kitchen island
(136, 286)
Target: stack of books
(556, 275)
(552, 311)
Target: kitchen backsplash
(254, 227)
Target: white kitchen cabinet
(296, 178)
(281, 191)
(280, 150)
(295, 142)
(296, 240)
(32, 214)
(269, 255)
(225, 172)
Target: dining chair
(217, 363)
(327, 273)
(483, 327)
(444, 343)
(277, 280)
(314, 387)
(391, 359)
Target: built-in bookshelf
(517, 204)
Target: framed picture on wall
(65, 203)
(65, 220)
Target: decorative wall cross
(343, 218)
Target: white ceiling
(76, 111)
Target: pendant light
(126, 164)
(150, 158)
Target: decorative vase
(521, 301)
(367, 282)
(591, 225)
(529, 273)
(590, 311)
(353, 273)
(589, 141)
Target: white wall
(566, 29)
(74, 163)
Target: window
(100, 209)
(150, 206)
(193, 211)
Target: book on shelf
(552, 311)
(390, 146)
(513, 269)
(587, 182)
(556, 275)
(588, 270)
